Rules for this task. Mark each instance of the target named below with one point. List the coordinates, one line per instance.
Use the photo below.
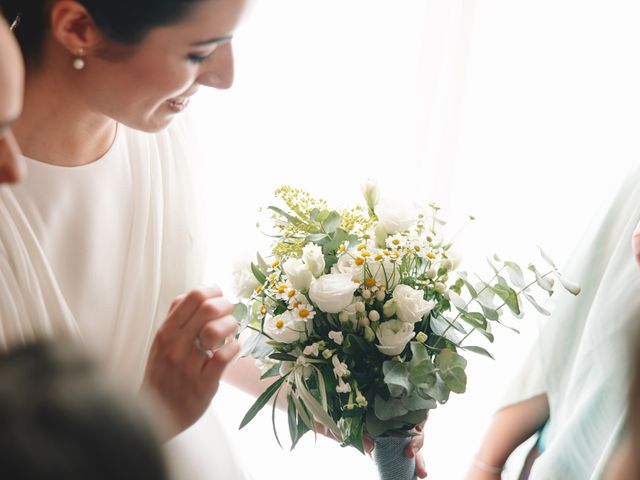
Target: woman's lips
(178, 105)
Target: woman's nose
(218, 71)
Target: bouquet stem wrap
(391, 461)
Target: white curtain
(524, 114)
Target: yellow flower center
(359, 261)
(378, 257)
(263, 310)
(303, 313)
(417, 248)
(279, 324)
(370, 282)
(282, 288)
(431, 255)
(361, 247)
(342, 249)
(386, 252)
(259, 288)
(365, 254)
(395, 241)
(291, 293)
(275, 264)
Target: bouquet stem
(391, 461)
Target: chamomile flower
(304, 312)
(397, 241)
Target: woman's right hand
(183, 374)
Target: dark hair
(123, 21)
(60, 420)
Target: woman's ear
(74, 28)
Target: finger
(213, 369)
(211, 309)
(421, 469)
(636, 243)
(213, 333)
(368, 445)
(176, 301)
(417, 442)
(183, 311)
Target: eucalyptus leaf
(544, 282)
(479, 350)
(258, 274)
(416, 402)
(332, 222)
(475, 319)
(388, 409)
(569, 286)
(509, 296)
(547, 258)
(440, 325)
(439, 391)
(397, 380)
(423, 374)
(515, 274)
(293, 220)
(452, 372)
(531, 299)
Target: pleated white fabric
(55, 264)
(581, 358)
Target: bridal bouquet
(364, 321)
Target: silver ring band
(207, 352)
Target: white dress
(97, 253)
(581, 358)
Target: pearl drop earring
(78, 62)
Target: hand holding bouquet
(363, 320)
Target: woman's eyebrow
(212, 41)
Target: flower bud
(368, 334)
(380, 295)
(440, 287)
(366, 294)
(422, 337)
(374, 316)
(389, 309)
(432, 273)
(343, 317)
(360, 307)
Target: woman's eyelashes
(198, 58)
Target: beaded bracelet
(485, 467)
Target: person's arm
(510, 427)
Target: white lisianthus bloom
(313, 258)
(410, 304)
(395, 216)
(283, 328)
(312, 350)
(332, 293)
(337, 337)
(244, 283)
(298, 274)
(347, 264)
(371, 193)
(393, 337)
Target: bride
(101, 240)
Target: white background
(524, 114)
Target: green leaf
(262, 401)
(292, 417)
(439, 391)
(272, 372)
(388, 409)
(241, 314)
(419, 352)
(515, 274)
(475, 319)
(316, 238)
(376, 427)
(572, 288)
(258, 274)
(397, 380)
(472, 291)
(490, 313)
(273, 419)
(293, 220)
(331, 223)
(509, 296)
(478, 350)
(285, 357)
(355, 345)
(416, 402)
(547, 258)
(535, 304)
(423, 374)
(544, 282)
(452, 372)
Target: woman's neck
(58, 127)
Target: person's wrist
(486, 467)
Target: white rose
(333, 293)
(386, 273)
(243, 281)
(283, 328)
(298, 274)
(410, 304)
(313, 257)
(393, 336)
(395, 216)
